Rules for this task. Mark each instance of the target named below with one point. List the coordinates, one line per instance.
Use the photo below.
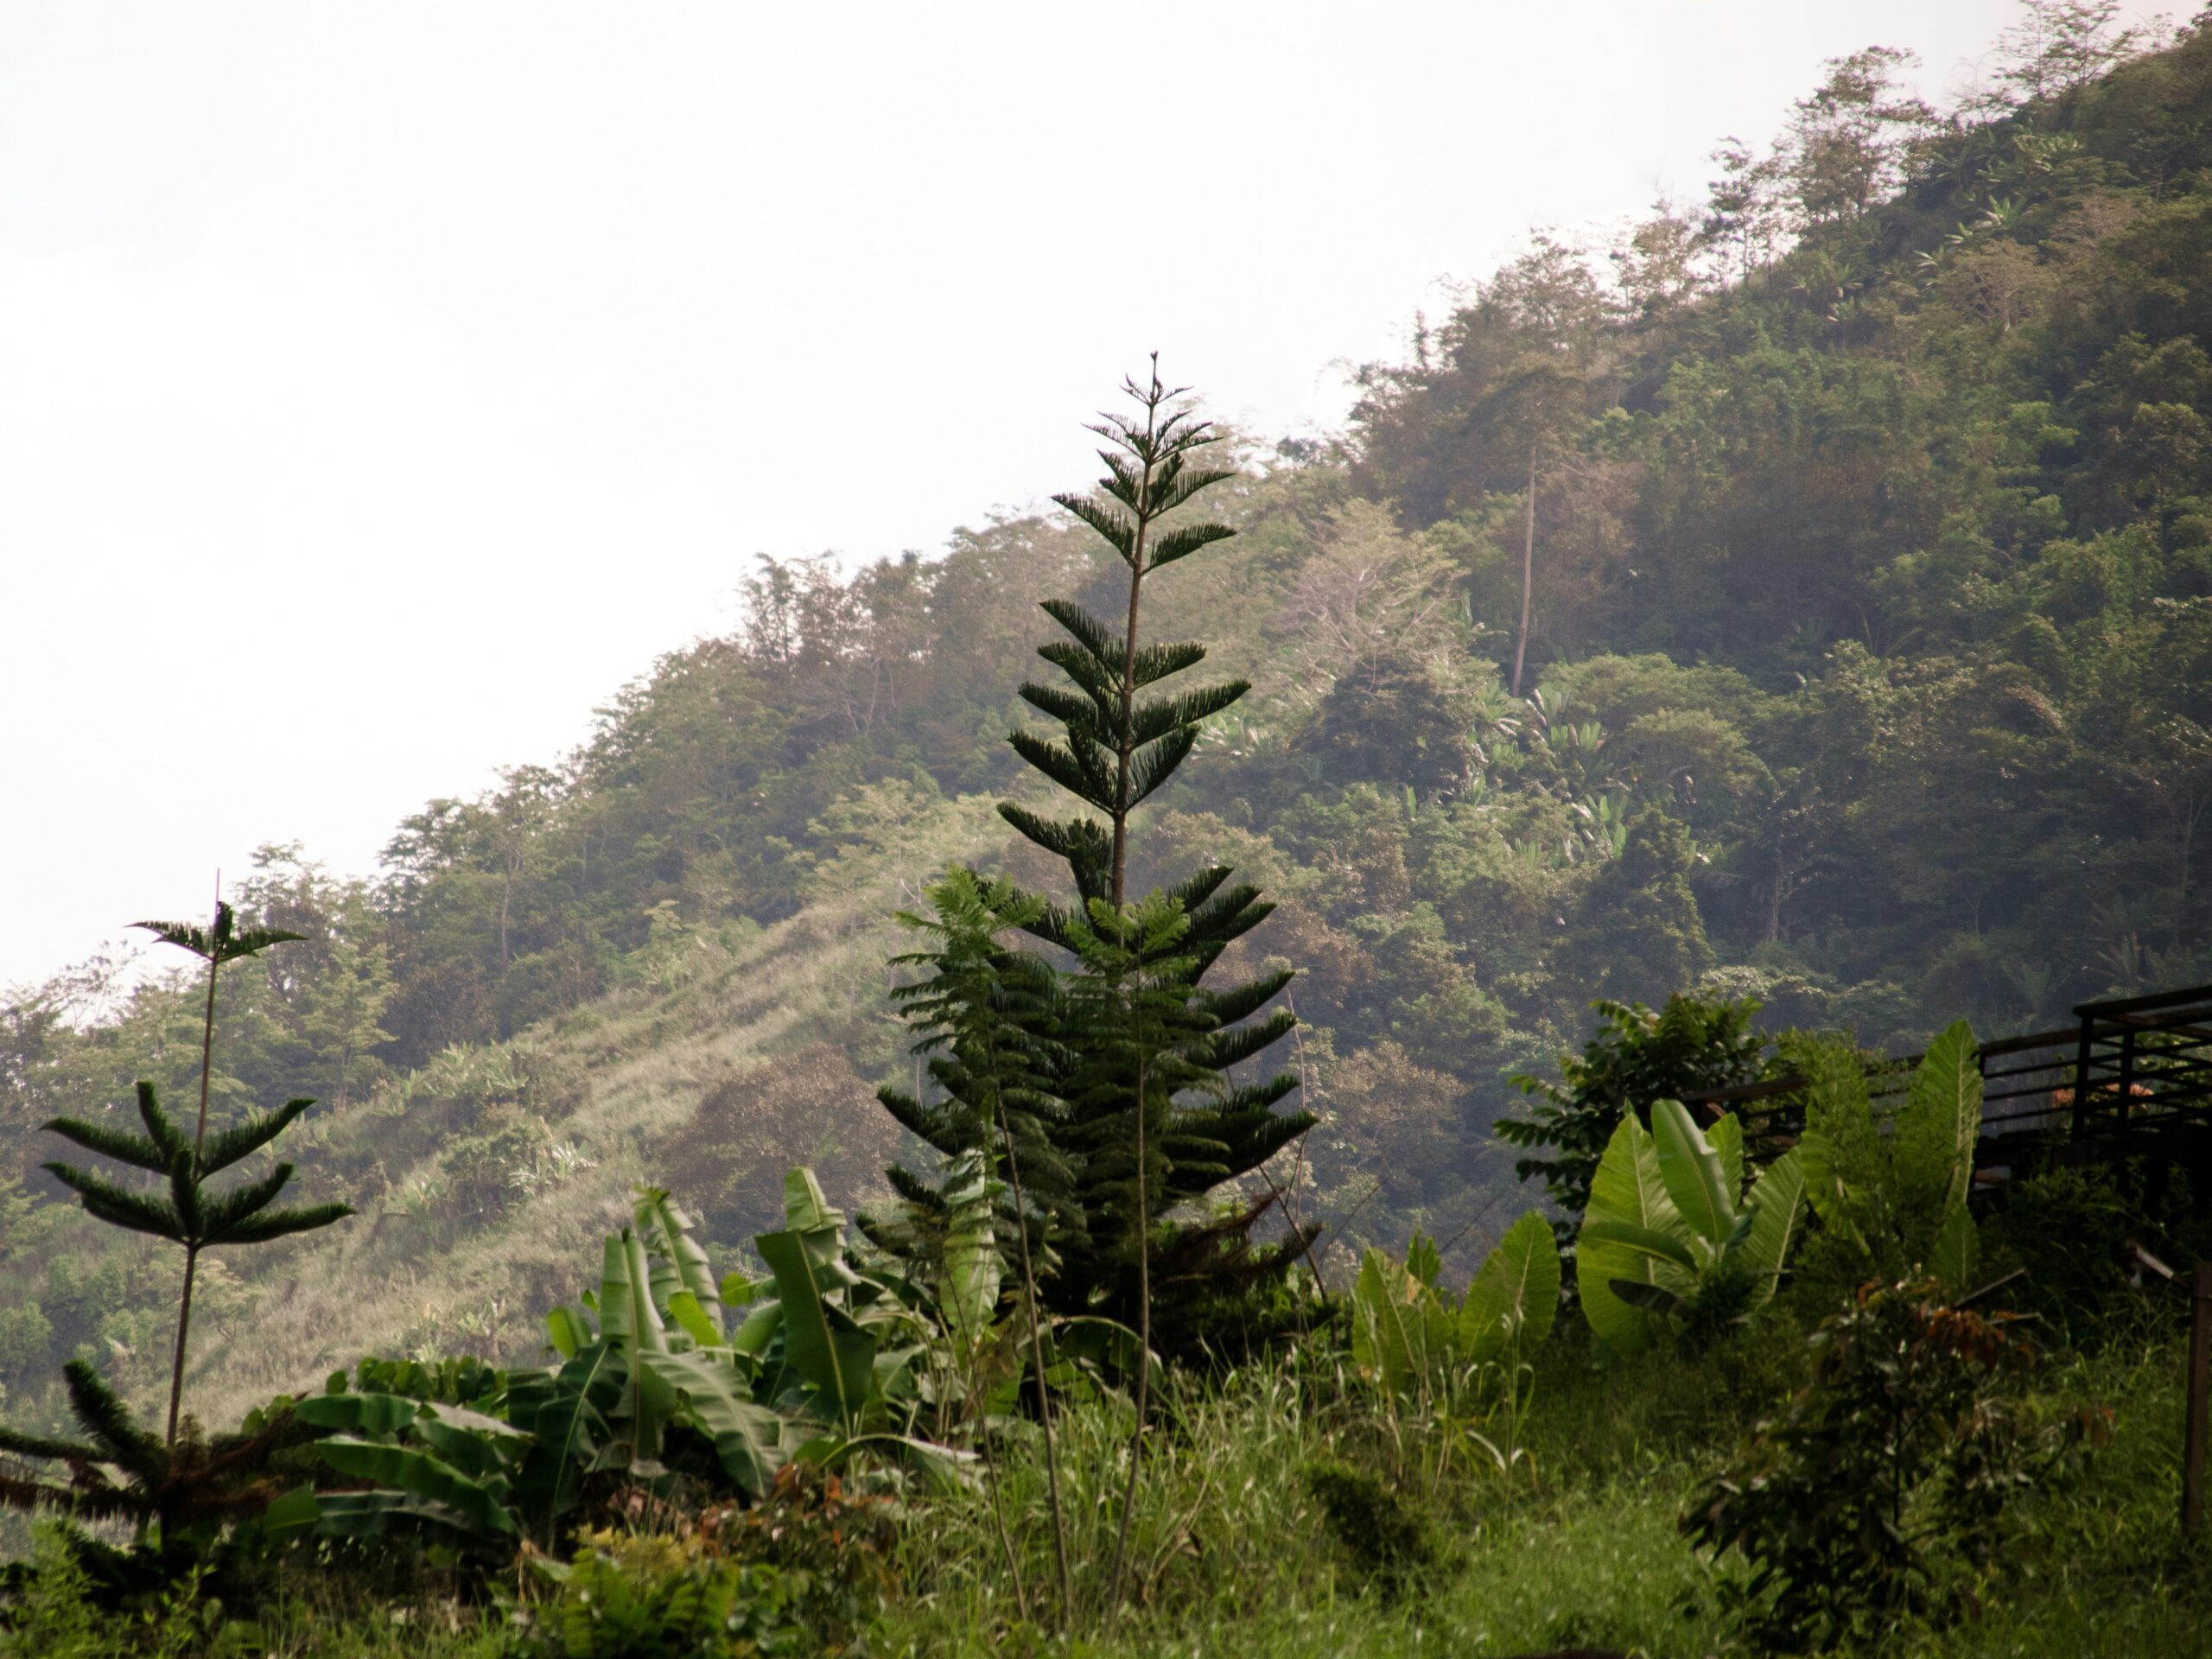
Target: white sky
(382, 386)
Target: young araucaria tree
(190, 1215)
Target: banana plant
(1900, 1199)
(1672, 1233)
(1414, 1340)
(652, 1385)
(660, 1339)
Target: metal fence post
(2082, 1063)
(2200, 1374)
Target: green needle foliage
(181, 1498)
(190, 1215)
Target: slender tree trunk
(1528, 572)
(199, 1140)
(1037, 1365)
(183, 1326)
(1124, 745)
(1144, 1345)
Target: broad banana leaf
(1514, 1296)
(822, 1345)
(627, 1312)
(1400, 1331)
(805, 1210)
(571, 1413)
(1104, 1347)
(974, 1270)
(759, 1329)
(1846, 1161)
(419, 1476)
(1692, 1172)
(389, 1513)
(478, 1447)
(568, 1330)
(679, 1259)
(1422, 1260)
(712, 1396)
(629, 1320)
(293, 1513)
(358, 1414)
(1935, 1132)
(1725, 1137)
(1958, 1249)
(695, 1321)
(1666, 1250)
(945, 1468)
(1776, 1206)
(1626, 1188)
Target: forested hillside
(1861, 518)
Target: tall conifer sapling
(191, 1216)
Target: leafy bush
(650, 1596)
(1898, 1464)
(1374, 1523)
(2071, 1226)
(801, 1572)
(1636, 1056)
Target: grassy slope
(619, 1074)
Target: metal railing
(2129, 1071)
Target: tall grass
(1235, 1557)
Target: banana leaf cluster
(1672, 1233)
(1414, 1340)
(1899, 1198)
(658, 1384)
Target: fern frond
(164, 1130)
(1089, 783)
(186, 935)
(1158, 662)
(110, 1424)
(1088, 632)
(1153, 766)
(227, 1211)
(1185, 540)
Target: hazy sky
(382, 386)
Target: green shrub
(1894, 1467)
(1636, 1056)
(1384, 1534)
(2071, 1228)
(801, 1574)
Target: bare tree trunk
(1037, 1365)
(1144, 1347)
(1528, 572)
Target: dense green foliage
(1890, 1477)
(1804, 628)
